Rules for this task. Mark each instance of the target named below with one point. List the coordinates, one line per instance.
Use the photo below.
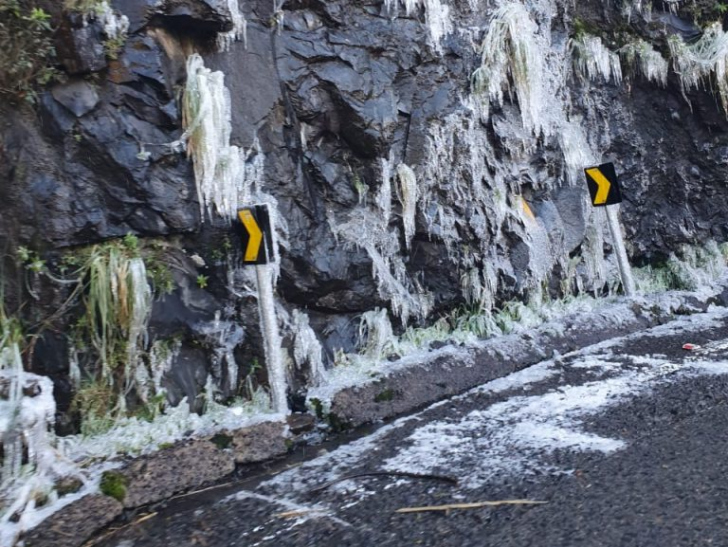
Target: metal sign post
(605, 192)
(258, 250)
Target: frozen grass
(593, 60)
(703, 62)
(134, 436)
(641, 57)
(693, 269)
(512, 63)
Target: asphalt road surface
(626, 442)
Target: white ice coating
(141, 311)
(593, 60)
(625, 270)
(26, 426)
(695, 63)
(376, 337)
(223, 337)
(239, 30)
(275, 365)
(639, 55)
(365, 229)
(408, 195)
(512, 58)
(115, 26)
(219, 167)
(437, 17)
(307, 349)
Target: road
(626, 443)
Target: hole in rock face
(203, 32)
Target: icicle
(307, 349)
(437, 17)
(696, 62)
(162, 356)
(640, 54)
(223, 337)
(238, 32)
(408, 198)
(384, 195)
(513, 50)
(576, 150)
(219, 168)
(376, 338)
(365, 230)
(141, 310)
(593, 60)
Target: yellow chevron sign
(255, 234)
(603, 185)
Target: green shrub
(26, 42)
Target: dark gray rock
(260, 442)
(173, 470)
(75, 523)
(78, 96)
(80, 45)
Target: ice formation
(237, 32)
(407, 192)
(115, 26)
(31, 465)
(593, 60)
(365, 229)
(307, 349)
(638, 54)
(219, 167)
(513, 53)
(437, 17)
(696, 63)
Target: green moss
(165, 446)
(384, 396)
(113, 484)
(318, 408)
(222, 441)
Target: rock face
(343, 99)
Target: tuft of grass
(113, 484)
(26, 42)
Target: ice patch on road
(516, 437)
(344, 459)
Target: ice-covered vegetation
(703, 62)
(512, 58)
(641, 57)
(593, 60)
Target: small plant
(30, 259)
(202, 281)
(26, 40)
(112, 48)
(113, 484)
